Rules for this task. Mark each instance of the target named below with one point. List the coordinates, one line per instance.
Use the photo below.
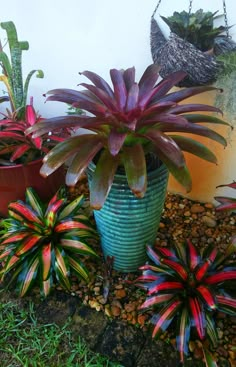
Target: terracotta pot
(15, 179)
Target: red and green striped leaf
(211, 330)
(61, 268)
(221, 276)
(51, 213)
(46, 260)
(202, 269)
(165, 317)
(77, 246)
(192, 255)
(28, 244)
(156, 300)
(226, 304)
(15, 237)
(34, 201)
(71, 208)
(197, 316)
(184, 334)
(177, 267)
(27, 277)
(25, 212)
(78, 268)
(165, 286)
(207, 295)
(46, 286)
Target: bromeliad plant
(129, 121)
(15, 147)
(188, 287)
(45, 243)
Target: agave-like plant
(226, 202)
(188, 287)
(45, 243)
(129, 121)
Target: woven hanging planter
(174, 54)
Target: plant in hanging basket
(128, 122)
(192, 46)
(196, 28)
(44, 244)
(186, 288)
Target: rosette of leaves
(186, 287)
(196, 28)
(127, 122)
(45, 243)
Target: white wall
(66, 37)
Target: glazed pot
(127, 224)
(15, 179)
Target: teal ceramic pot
(127, 224)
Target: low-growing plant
(45, 242)
(226, 202)
(188, 287)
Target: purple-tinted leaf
(87, 145)
(196, 117)
(194, 147)
(135, 169)
(103, 97)
(191, 107)
(162, 119)
(198, 316)
(171, 155)
(132, 98)
(98, 82)
(103, 179)
(184, 334)
(147, 83)
(119, 87)
(184, 93)
(156, 109)
(115, 141)
(129, 77)
(166, 316)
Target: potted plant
(193, 38)
(132, 148)
(45, 243)
(20, 155)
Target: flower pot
(15, 179)
(127, 224)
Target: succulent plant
(127, 122)
(196, 28)
(45, 243)
(15, 147)
(188, 287)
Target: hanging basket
(175, 54)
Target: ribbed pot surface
(127, 224)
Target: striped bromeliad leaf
(226, 202)
(45, 242)
(130, 119)
(185, 285)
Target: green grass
(26, 343)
